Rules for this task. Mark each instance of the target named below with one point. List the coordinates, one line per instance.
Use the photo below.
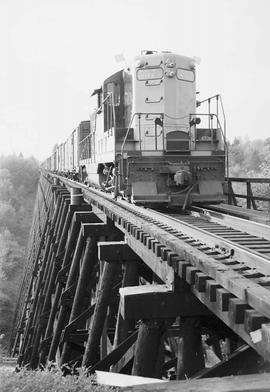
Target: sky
(54, 53)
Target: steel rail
(255, 228)
(215, 239)
(244, 213)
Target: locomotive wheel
(105, 184)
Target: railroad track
(248, 214)
(242, 239)
(259, 229)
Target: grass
(47, 381)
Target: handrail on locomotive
(191, 117)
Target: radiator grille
(177, 141)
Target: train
(150, 140)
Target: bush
(47, 381)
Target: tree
(7, 216)
(11, 256)
(6, 186)
(250, 159)
(18, 183)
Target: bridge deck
(182, 289)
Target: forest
(249, 158)
(18, 183)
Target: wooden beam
(77, 337)
(148, 347)
(190, 352)
(86, 217)
(244, 360)
(86, 314)
(224, 306)
(155, 263)
(114, 356)
(86, 268)
(130, 278)
(104, 292)
(125, 359)
(248, 383)
(116, 251)
(96, 229)
(123, 380)
(156, 301)
(255, 295)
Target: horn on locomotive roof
(144, 52)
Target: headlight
(140, 63)
(170, 63)
(170, 73)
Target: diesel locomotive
(150, 140)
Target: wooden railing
(251, 189)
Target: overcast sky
(55, 52)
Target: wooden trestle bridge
(116, 287)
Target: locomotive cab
(109, 124)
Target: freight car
(146, 139)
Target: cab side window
(112, 102)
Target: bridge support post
(44, 298)
(190, 353)
(62, 317)
(130, 278)
(66, 279)
(38, 296)
(80, 299)
(88, 263)
(91, 354)
(62, 259)
(147, 352)
(39, 230)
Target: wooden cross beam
(116, 251)
(156, 301)
(116, 355)
(97, 229)
(244, 360)
(247, 383)
(86, 217)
